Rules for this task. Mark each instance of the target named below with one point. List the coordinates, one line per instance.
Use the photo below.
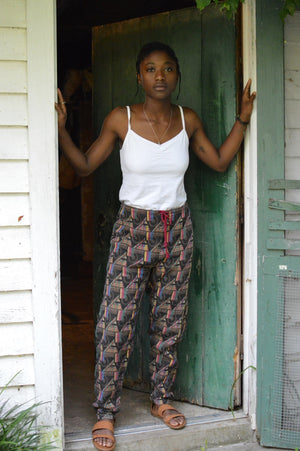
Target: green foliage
(18, 430)
(231, 6)
(289, 8)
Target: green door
(278, 357)
(205, 46)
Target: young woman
(152, 238)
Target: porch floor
(136, 429)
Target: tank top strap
(182, 116)
(128, 114)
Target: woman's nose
(160, 75)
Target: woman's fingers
(247, 91)
(61, 104)
(61, 109)
(247, 102)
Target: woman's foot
(170, 416)
(103, 435)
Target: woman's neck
(158, 108)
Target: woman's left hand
(247, 102)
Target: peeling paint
(54, 437)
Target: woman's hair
(158, 46)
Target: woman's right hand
(61, 109)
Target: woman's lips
(160, 87)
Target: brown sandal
(166, 418)
(103, 424)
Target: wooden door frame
(250, 219)
(44, 224)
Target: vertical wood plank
(43, 174)
(250, 218)
(270, 132)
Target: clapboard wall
(16, 315)
(30, 338)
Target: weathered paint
(29, 261)
(208, 351)
(271, 243)
(250, 218)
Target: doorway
(74, 57)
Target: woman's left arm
(219, 159)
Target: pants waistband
(140, 211)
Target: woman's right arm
(85, 163)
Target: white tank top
(153, 174)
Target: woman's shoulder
(192, 120)
(189, 113)
(117, 115)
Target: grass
(233, 385)
(18, 427)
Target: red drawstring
(165, 217)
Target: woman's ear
(138, 78)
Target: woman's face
(158, 75)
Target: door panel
(205, 46)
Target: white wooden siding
(15, 275)
(17, 340)
(15, 395)
(16, 315)
(13, 109)
(22, 369)
(13, 76)
(43, 182)
(13, 13)
(14, 209)
(15, 307)
(13, 44)
(292, 113)
(15, 242)
(14, 176)
(13, 143)
(29, 269)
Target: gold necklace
(159, 139)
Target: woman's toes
(104, 441)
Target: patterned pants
(148, 248)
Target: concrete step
(210, 430)
(245, 446)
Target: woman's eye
(169, 69)
(150, 69)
